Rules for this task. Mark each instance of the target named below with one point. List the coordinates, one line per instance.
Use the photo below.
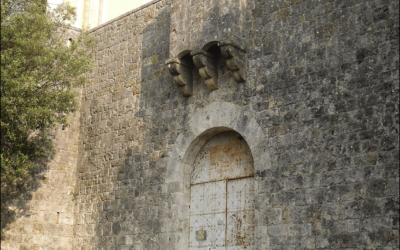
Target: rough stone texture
(319, 110)
(30, 220)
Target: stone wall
(319, 110)
(322, 84)
(41, 214)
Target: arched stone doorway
(204, 124)
(222, 195)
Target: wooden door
(222, 195)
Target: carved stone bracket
(208, 67)
(235, 59)
(183, 75)
(207, 62)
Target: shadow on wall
(206, 25)
(155, 79)
(144, 93)
(15, 201)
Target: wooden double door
(222, 195)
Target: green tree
(39, 69)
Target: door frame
(207, 122)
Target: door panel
(222, 195)
(240, 213)
(226, 156)
(208, 215)
(223, 212)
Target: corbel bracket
(183, 76)
(235, 59)
(208, 67)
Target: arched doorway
(222, 195)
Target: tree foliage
(39, 71)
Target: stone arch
(213, 119)
(183, 54)
(210, 44)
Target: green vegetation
(40, 66)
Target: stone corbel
(235, 59)
(183, 75)
(208, 67)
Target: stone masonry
(313, 89)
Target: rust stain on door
(226, 156)
(240, 213)
(222, 195)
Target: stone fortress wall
(315, 95)
(41, 214)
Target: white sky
(54, 2)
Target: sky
(112, 9)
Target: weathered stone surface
(41, 214)
(208, 67)
(183, 75)
(319, 110)
(235, 56)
